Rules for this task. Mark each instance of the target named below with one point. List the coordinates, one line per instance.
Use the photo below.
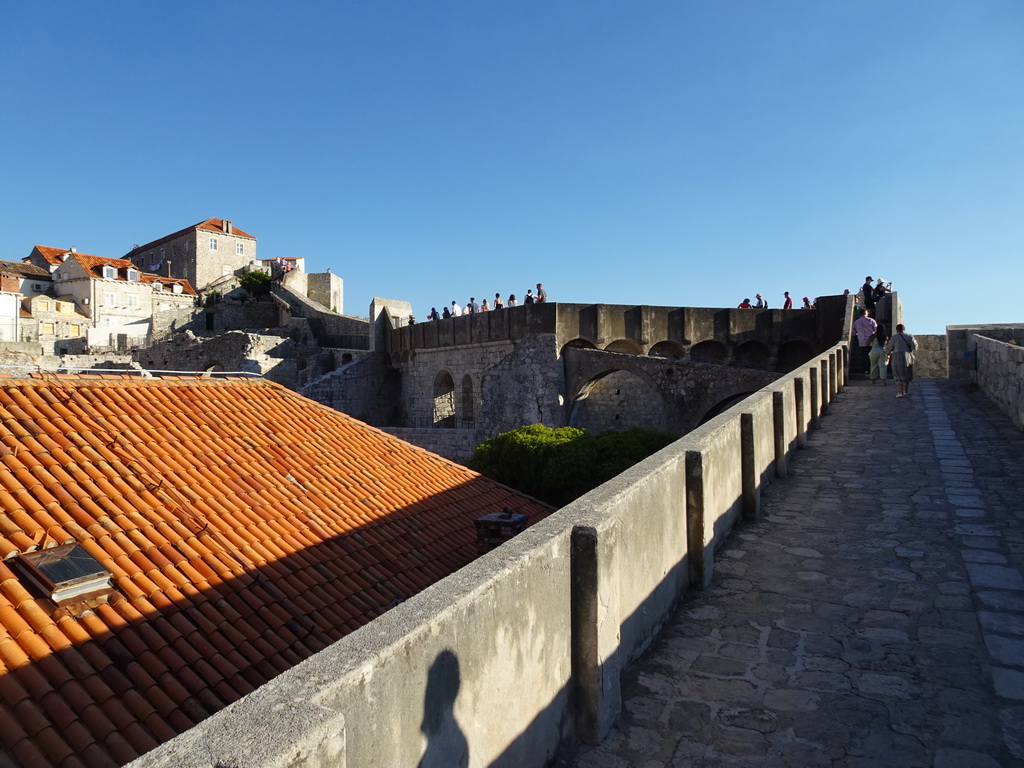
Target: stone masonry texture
(873, 616)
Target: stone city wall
(931, 360)
(962, 347)
(1000, 374)
(521, 653)
(454, 444)
(497, 386)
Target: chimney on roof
(227, 226)
(495, 529)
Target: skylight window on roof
(66, 573)
(109, 272)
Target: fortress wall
(931, 360)
(1000, 374)
(510, 383)
(961, 344)
(521, 652)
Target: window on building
(133, 275)
(213, 243)
(109, 272)
(109, 299)
(176, 288)
(48, 329)
(239, 249)
(44, 306)
(133, 301)
(75, 330)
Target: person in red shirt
(745, 304)
(788, 303)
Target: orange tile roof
(56, 255)
(245, 526)
(186, 287)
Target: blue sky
(671, 153)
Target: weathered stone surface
(910, 650)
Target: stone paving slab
(873, 617)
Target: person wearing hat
(760, 303)
(867, 295)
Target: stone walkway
(873, 617)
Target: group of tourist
(886, 353)
(472, 307)
(761, 303)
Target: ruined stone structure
(453, 383)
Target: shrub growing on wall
(256, 282)
(559, 465)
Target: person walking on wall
(542, 295)
(512, 300)
(484, 307)
(901, 348)
(864, 328)
(472, 307)
(529, 297)
(760, 303)
(498, 303)
(867, 295)
(876, 356)
(456, 309)
(788, 303)
(745, 304)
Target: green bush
(559, 465)
(256, 282)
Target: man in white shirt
(472, 308)
(456, 309)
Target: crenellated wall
(521, 653)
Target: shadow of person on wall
(446, 744)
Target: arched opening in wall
(723, 406)
(467, 401)
(618, 400)
(792, 355)
(577, 344)
(752, 354)
(624, 346)
(214, 369)
(444, 400)
(709, 351)
(346, 358)
(669, 350)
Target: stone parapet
(931, 360)
(1000, 375)
(521, 653)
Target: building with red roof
(169, 545)
(200, 254)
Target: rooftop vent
(65, 573)
(495, 529)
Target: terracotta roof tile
(244, 528)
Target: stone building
(17, 281)
(200, 254)
(116, 296)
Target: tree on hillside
(559, 465)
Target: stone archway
(709, 351)
(444, 400)
(752, 354)
(624, 346)
(669, 350)
(792, 355)
(618, 400)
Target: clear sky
(692, 152)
